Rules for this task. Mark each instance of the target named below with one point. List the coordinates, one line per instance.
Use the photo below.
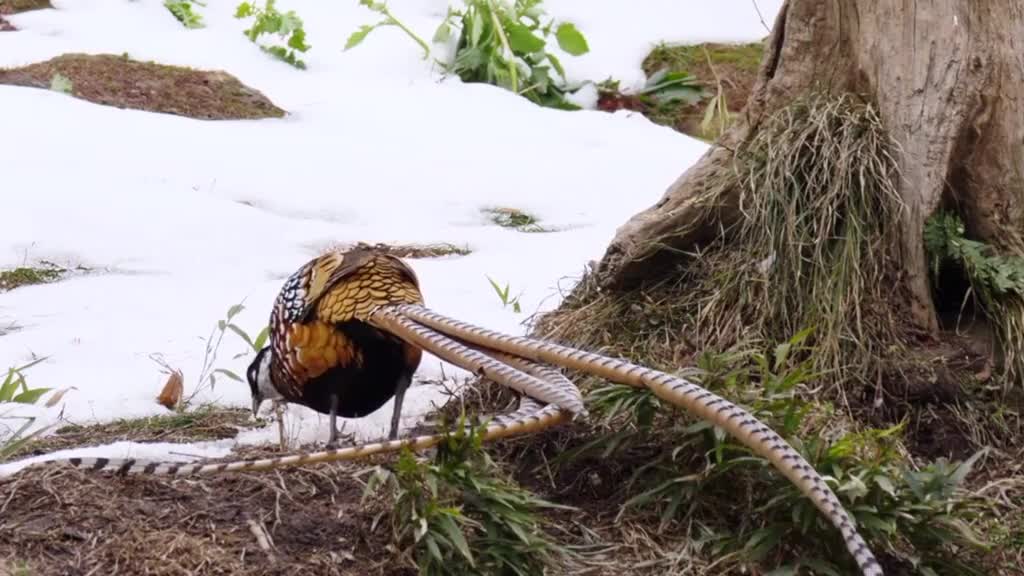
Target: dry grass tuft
(815, 247)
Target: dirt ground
(65, 521)
(59, 520)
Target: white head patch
(263, 383)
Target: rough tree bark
(947, 78)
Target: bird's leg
(403, 384)
(332, 441)
(280, 424)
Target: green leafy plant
(503, 295)
(15, 381)
(381, 8)
(286, 26)
(996, 280)
(504, 44)
(993, 274)
(459, 514)
(182, 10)
(15, 389)
(662, 88)
(499, 43)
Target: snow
(177, 219)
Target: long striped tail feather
(530, 418)
(560, 392)
(703, 403)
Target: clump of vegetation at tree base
(459, 514)
(503, 44)
(996, 281)
(812, 243)
(691, 473)
(182, 10)
(268, 21)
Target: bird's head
(260, 385)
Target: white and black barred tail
(530, 418)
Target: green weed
(182, 10)
(208, 374)
(15, 389)
(459, 515)
(503, 295)
(15, 380)
(270, 21)
(381, 8)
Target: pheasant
(348, 331)
(322, 354)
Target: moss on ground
(515, 219)
(27, 276)
(122, 82)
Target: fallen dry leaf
(171, 394)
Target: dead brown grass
(122, 82)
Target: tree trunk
(947, 80)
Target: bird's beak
(256, 401)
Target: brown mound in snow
(125, 83)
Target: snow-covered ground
(179, 219)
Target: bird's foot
(335, 440)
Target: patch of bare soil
(6, 26)
(939, 390)
(125, 83)
(58, 520)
